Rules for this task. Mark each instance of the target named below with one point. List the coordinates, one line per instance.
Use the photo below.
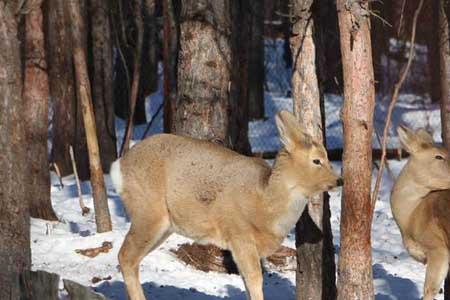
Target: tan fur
(214, 195)
(420, 203)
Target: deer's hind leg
(150, 226)
(437, 268)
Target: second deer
(420, 204)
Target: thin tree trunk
(444, 58)
(355, 260)
(61, 81)
(170, 61)
(315, 253)
(136, 75)
(102, 215)
(102, 80)
(36, 94)
(256, 59)
(15, 253)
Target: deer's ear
(412, 141)
(292, 134)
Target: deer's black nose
(340, 182)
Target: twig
(394, 98)
(401, 18)
(58, 172)
(136, 77)
(151, 121)
(84, 209)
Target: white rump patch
(116, 176)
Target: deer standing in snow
(420, 204)
(174, 184)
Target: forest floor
(396, 275)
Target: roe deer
(420, 203)
(174, 184)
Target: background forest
(82, 81)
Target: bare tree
(102, 79)
(15, 253)
(315, 252)
(36, 94)
(444, 59)
(355, 279)
(102, 216)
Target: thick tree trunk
(15, 253)
(444, 58)
(102, 80)
(36, 94)
(170, 62)
(61, 79)
(102, 216)
(210, 104)
(315, 252)
(355, 258)
(204, 64)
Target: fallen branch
(84, 209)
(93, 252)
(394, 99)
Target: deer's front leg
(248, 261)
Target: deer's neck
(405, 197)
(286, 201)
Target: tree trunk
(102, 217)
(315, 252)
(355, 260)
(210, 104)
(102, 80)
(433, 54)
(204, 64)
(255, 15)
(444, 58)
(170, 61)
(36, 94)
(61, 79)
(15, 253)
(135, 85)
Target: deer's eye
(439, 157)
(317, 162)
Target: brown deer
(420, 202)
(174, 184)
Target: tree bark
(204, 64)
(61, 82)
(355, 260)
(15, 253)
(170, 62)
(444, 59)
(102, 216)
(102, 80)
(36, 94)
(315, 252)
